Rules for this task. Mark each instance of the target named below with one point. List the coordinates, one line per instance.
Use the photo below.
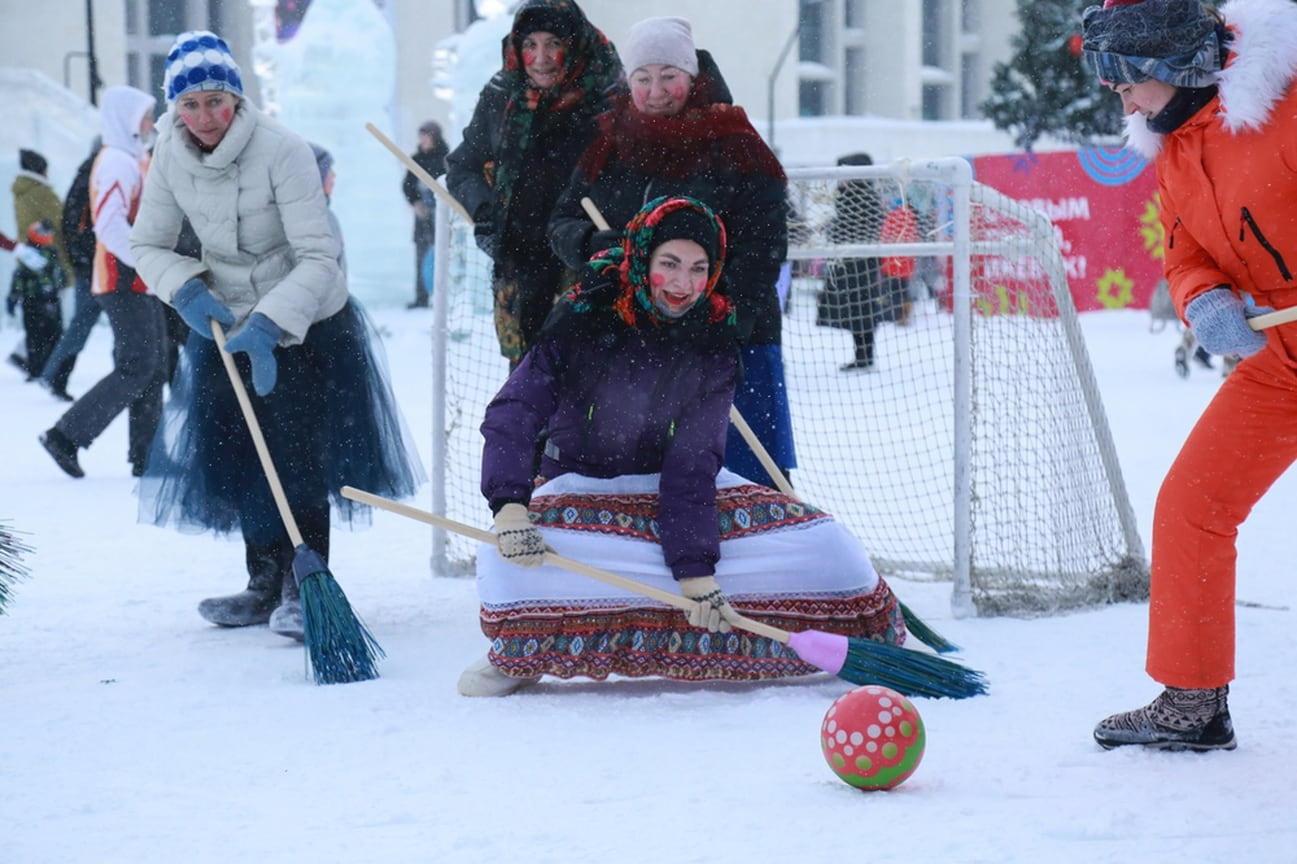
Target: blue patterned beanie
(200, 60)
(1175, 41)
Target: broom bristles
(12, 569)
(340, 647)
(919, 629)
(908, 672)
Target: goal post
(974, 448)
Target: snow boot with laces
(1176, 720)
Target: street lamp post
(90, 50)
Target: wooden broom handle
(418, 171)
(1273, 319)
(258, 440)
(735, 417)
(605, 576)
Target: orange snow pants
(1245, 439)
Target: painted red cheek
(187, 120)
(678, 91)
(227, 114)
(657, 280)
(558, 57)
(528, 57)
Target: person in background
(1211, 98)
(77, 223)
(36, 201)
(852, 297)
(676, 133)
(139, 330)
(431, 157)
(268, 273)
(324, 162)
(532, 121)
(633, 375)
(37, 280)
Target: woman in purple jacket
(631, 382)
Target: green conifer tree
(1046, 89)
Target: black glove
(600, 241)
(484, 235)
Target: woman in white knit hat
(269, 274)
(677, 133)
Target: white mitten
(711, 610)
(520, 542)
(29, 257)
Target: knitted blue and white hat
(200, 60)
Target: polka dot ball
(872, 737)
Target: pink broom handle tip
(825, 650)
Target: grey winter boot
(254, 604)
(287, 620)
(1175, 720)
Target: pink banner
(1103, 204)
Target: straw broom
(340, 648)
(858, 661)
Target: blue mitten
(197, 306)
(258, 339)
(1219, 320)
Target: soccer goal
(973, 447)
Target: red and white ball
(872, 737)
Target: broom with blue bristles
(859, 661)
(341, 649)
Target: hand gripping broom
(340, 648)
(859, 661)
(913, 623)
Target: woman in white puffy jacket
(268, 274)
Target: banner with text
(1103, 203)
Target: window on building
(934, 33)
(853, 75)
(852, 14)
(812, 99)
(167, 17)
(935, 99)
(810, 44)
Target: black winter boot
(254, 604)
(1176, 720)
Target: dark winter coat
(516, 156)
(77, 223)
(852, 298)
(434, 162)
(620, 400)
(730, 168)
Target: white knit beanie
(660, 40)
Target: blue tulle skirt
(330, 421)
(762, 399)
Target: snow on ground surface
(132, 731)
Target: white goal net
(964, 439)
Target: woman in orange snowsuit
(1212, 99)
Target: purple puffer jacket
(620, 404)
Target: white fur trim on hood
(1261, 66)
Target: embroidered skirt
(783, 563)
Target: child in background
(37, 279)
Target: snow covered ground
(131, 731)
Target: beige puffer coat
(258, 208)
